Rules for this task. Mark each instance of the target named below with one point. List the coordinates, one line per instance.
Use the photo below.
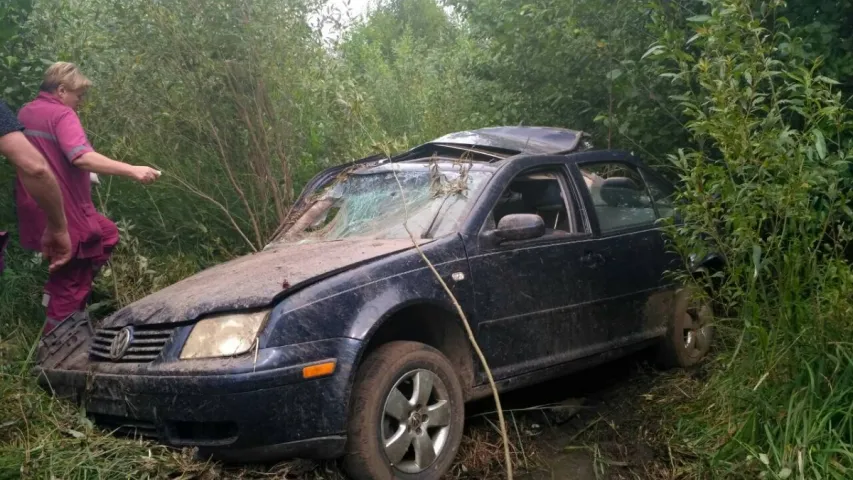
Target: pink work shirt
(55, 130)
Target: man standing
(38, 179)
(53, 127)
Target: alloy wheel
(696, 330)
(415, 421)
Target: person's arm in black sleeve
(40, 182)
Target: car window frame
(668, 187)
(574, 207)
(590, 204)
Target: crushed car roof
(531, 140)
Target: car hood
(253, 280)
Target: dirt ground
(596, 425)
(602, 424)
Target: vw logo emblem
(121, 343)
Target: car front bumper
(246, 416)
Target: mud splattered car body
(581, 285)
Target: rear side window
(619, 196)
(662, 195)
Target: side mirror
(520, 226)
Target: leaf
(614, 74)
(828, 80)
(655, 50)
(699, 18)
(75, 433)
(763, 458)
(820, 144)
(785, 473)
(756, 262)
(86, 422)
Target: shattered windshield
(369, 203)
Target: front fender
(354, 303)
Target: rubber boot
(65, 342)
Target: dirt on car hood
(251, 281)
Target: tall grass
(771, 193)
(43, 437)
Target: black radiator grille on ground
(145, 345)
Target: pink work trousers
(69, 287)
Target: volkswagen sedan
(339, 340)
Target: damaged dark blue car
(338, 340)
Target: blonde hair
(64, 73)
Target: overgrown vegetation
(744, 102)
(770, 191)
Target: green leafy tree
(575, 64)
(19, 66)
(822, 30)
(408, 59)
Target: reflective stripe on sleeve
(40, 134)
(76, 150)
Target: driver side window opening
(542, 193)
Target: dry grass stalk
(474, 344)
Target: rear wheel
(689, 333)
(406, 415)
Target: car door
(630, 244)
(531, 296)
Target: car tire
(388, 414)
(689, 332)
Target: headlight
(223, 335)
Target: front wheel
(689, 332)
(406, 416)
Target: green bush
(770, 191)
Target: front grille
(123, 426)
(145, 345)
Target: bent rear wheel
(406, 414)
(689, 332)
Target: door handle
(591, 259)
